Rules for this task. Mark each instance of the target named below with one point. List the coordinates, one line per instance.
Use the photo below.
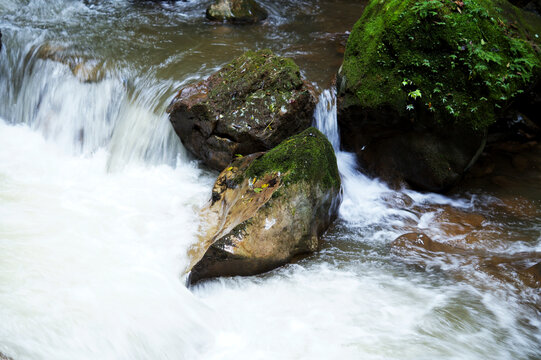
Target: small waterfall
(93, 226)
(127, 118)
(362, 204)
(325, 119)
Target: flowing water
(98, 204)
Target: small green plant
(427, 8)
(415, 94)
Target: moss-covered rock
(236, 11)
(457, 63)
(443, 68)
(250, 105)
(267, 208)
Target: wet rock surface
(236, 11)
(512, 169)
(403, 153)
(420, 242)
(532, 275)
(267, 208)
(250, 105)
(457, 224)
(474, 229)
(519, 269)
(85, 69)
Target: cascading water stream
(99, 200)
(359, 191)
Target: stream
(99, 201)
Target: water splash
(363, 204)
(83, 117)
(325, 118)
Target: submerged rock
(84, 69)
(250, 105)
(419, 242)
(422, 81)
(0, 39)
(531, 276)
(455, 222)
(520, 269)
(236, 11)
(267, 208)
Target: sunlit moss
(307, 157)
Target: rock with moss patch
(250, 105)
(422, 80)
(236, 11)
(267, 208)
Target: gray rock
(250, 105)
(236, 11)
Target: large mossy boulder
(267, 208)
(423, 80)
(250, 105)
(236, 11)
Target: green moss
(432, 57)
(244, 74)
(307, 156)
(255, 87)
